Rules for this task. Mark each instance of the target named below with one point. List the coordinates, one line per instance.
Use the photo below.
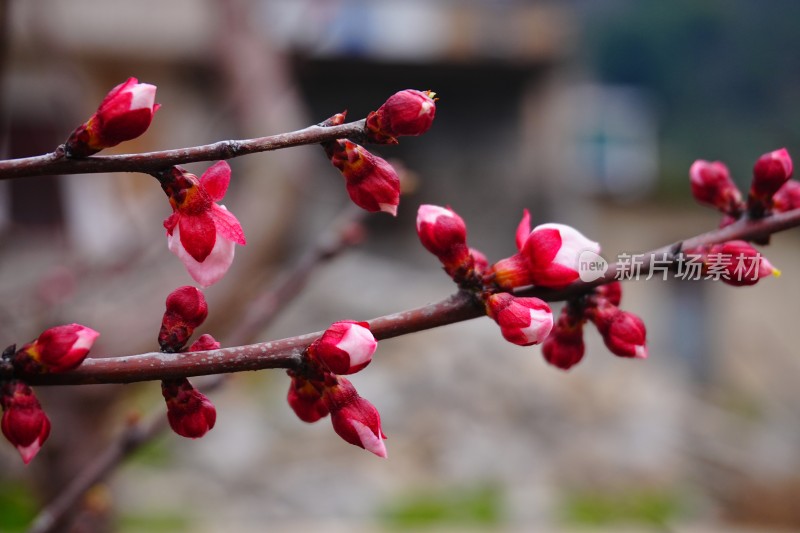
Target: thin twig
(261, 311)
(288, 353)
(56, 163)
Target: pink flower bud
(548, 256)
(564, 347)
(787, 197)
(201, 233)
(371, 182)
(712, 185)
(204, 343)
(522, 321)
(406, 112)
(737, 263)
(624, 334)
(305, 399)
(58, 349)
(190, 413)
(186, 310)
(24, 423)
(354, 418)
(444, 234)
(345, 348)
(770, 172)
(125, 113)
(481, 264)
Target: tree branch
(288, 353)
(56, 162)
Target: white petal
(540, 326)
(359, 343)
(573, 243)
(213, 268)
(144, 96)
(372, 443)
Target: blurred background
(586, 112)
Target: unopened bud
(522, 321)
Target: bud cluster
(319, 389)
(371, 182)
(190, 413)
(58, 349)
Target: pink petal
(198, 235)
(215, 180)
(171, 221)
(227, 224)
(524, 229)
(215, 265)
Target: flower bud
(354, 418)
(480, 263)
(371, 182)
(407, 112)
(737, 263)
(787, 197)
(24, 423)
(624, 334)
(712, 185)
(124, 114)
(305, 399)
(522, 321)
(564, 347)
(190, 413)
(612, 292)
(345, 348)
(186, 310)
(57, 349)
(770, 172)
(204, 343)
(444, 234)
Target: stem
(56, 163)
(288, 353)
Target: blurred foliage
(723, 74)
(463, 507)
(632, 507)
(18, 507)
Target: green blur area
(634, 507)
(475, 507)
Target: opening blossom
(200, 232)
(24, 423)
(125, 113)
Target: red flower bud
(24, 423)
(481, 264)
(564, 346)
(737, 263)
(58, 349)
(305, 399)
(345, 348)
(406, 112)
(712, 185)
(190, 413)
(204, 343)
(124, 114)
(444, 234)
(371, 182)
(770, 172)
(787, 197)
(612, 292)
(354, 418)
(624, 333)
(522, 321)
(186, 310)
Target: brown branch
(56, 163)
(288, 353)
